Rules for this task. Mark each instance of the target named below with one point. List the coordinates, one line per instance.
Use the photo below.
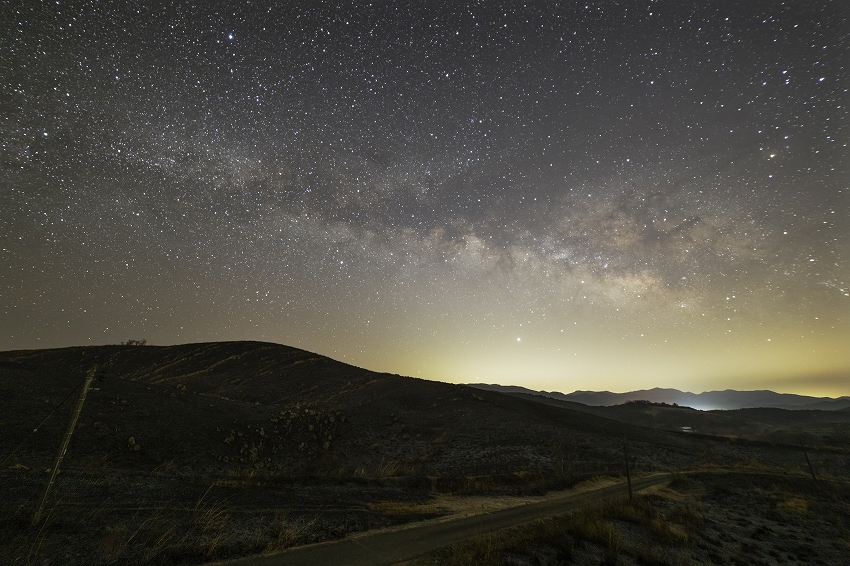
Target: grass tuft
(286, 533)
(593, 531)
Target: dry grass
(793, 504)
(384, 469)
(286, 533)
(165, 532)
(563, 455)
(207, 524)
(687, 516)
(387, 469)
(590, 532)
(240, 478)
(396, 508)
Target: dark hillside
(816, 428)
(187, 453)
(222, 406)
(726, 400)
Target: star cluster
(563, 195)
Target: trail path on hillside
(392, 546)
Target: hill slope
(816, 428)
(221, 406)
(729, 399)
(188, 453)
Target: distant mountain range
(728, 399)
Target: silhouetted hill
(783, 426)
(225, 406)
(709, 400)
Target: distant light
(517, 339)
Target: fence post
(628, 474)
(809, 462)
(67, 439)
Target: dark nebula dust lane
(562, 195)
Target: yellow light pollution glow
(552, 195)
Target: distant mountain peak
(727, 399)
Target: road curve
(390, 547)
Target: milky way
(603, 195)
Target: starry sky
(561, 195)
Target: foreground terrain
(391, 546)
(187, 454)
(748, 518)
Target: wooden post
(65, 441)
(809, 462)
(628, 474)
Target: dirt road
(390, 547)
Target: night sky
(561, 195)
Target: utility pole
(628, 475)
(65, 441)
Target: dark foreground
(201, 452)
(746, 518)
(391, 547)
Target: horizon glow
(603, 196)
